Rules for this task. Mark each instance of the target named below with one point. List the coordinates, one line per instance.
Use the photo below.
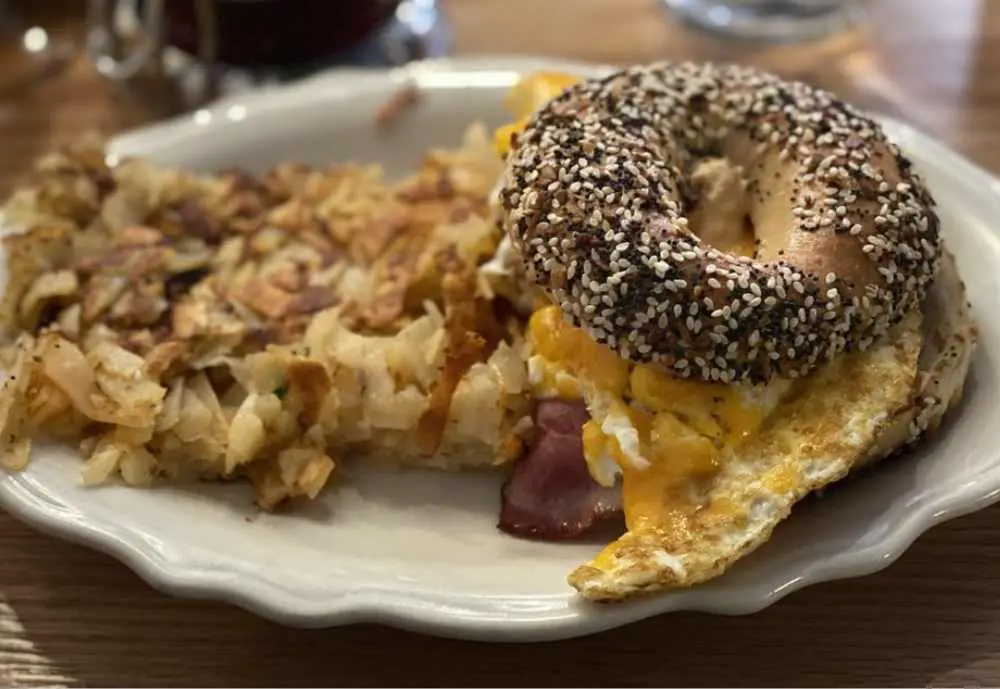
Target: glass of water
(770, 20)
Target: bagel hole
(720, 212)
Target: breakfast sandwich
(738, 294)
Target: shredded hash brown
(191, 327)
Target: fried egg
(692, 522)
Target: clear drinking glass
(770, 20)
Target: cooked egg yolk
(716, 411)
(678, 454)
(525, 97)
(681, 428)
(575, 352)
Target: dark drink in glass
(256, 33)
(262, 36)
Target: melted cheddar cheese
(658, 434)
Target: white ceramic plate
(421, 551)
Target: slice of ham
(550, 494)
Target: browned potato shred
(184, 327)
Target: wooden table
(68, 615)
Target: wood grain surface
(71, 616)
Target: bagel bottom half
(859, 408)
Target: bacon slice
(550, 494)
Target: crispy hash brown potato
(191, 327)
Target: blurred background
(71, 65)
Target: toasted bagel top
(598, 194)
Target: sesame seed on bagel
(598, 198)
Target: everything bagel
(600, 197)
